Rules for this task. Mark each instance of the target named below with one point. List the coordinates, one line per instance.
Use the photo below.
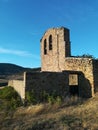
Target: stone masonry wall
(56, 82)
(85, 65)
(53, 60)
(19, 86)
(47, 81)
(50, 82)
(95, 73)
(42, 81)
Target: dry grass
(73, 114)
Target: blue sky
(23, 23)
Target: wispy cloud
(18, 53)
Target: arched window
(45, 47)
(50, 42)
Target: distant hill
(10, 69)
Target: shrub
(8, 93)
(54, 98)
(43, 96)
(51, 99)
(30, 97)
(42, 125)
(10, 98)
(33, 97)
(58, 100)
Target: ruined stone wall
(95, 72)
(47, 81)
(19, 86)
(51, 82)
(53, 60)
(39, 82)
(85, 65)
(56, 82)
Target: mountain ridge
(10, 69)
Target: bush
(43, 96)
(42, 125)
(54, 100)
(51, 99)
(58, 100)
(30, 97)
(9, 98)
(8, 93)
(33, 98)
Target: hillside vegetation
(9, 69)
(72, 114)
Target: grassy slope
(69, 116)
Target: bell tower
(55, 47)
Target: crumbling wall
(85, 65)
(47, 81)
(51, 82)
(95, 73)
(19, 86)
(53, 59)
(57, 82)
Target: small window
(45, 47)
(73, 79)
(50, 42)
(73, 84)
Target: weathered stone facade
(59, 82)
(85, 65)
(59, 57)
(19, 86)
(60, 71)
(53, 59)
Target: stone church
(60, 72)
